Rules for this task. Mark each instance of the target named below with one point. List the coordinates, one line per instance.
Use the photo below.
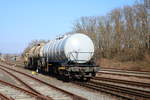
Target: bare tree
(31, 44)
(123, 33)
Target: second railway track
(131, 90)
(145, 75)
(119, 91)
(108, 85)
(121, 81)
(11, 92)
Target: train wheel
(67, 78)
(85, 79)
(93, 74)
(88, 79)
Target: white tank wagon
(69, 56)
(78, 48)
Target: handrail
(75, 58)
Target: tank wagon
(69, 56)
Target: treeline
(124, 33)
(31, 44)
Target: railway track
(4, 97)
(11, 92)
(21, 64)
(119, 91)
(126, 71)
(131, 90)
(40, 87)
(120, 81)
(138, 74)
(24, 85)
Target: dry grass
(141, 65)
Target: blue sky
(22, 21)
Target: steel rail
(74, 96)
(123, 74)
(141, 84)
(4, 97)
(115, 90)
(126, 71)
(136, 92)
(39, 97)
(25, 84)
(102, 89)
